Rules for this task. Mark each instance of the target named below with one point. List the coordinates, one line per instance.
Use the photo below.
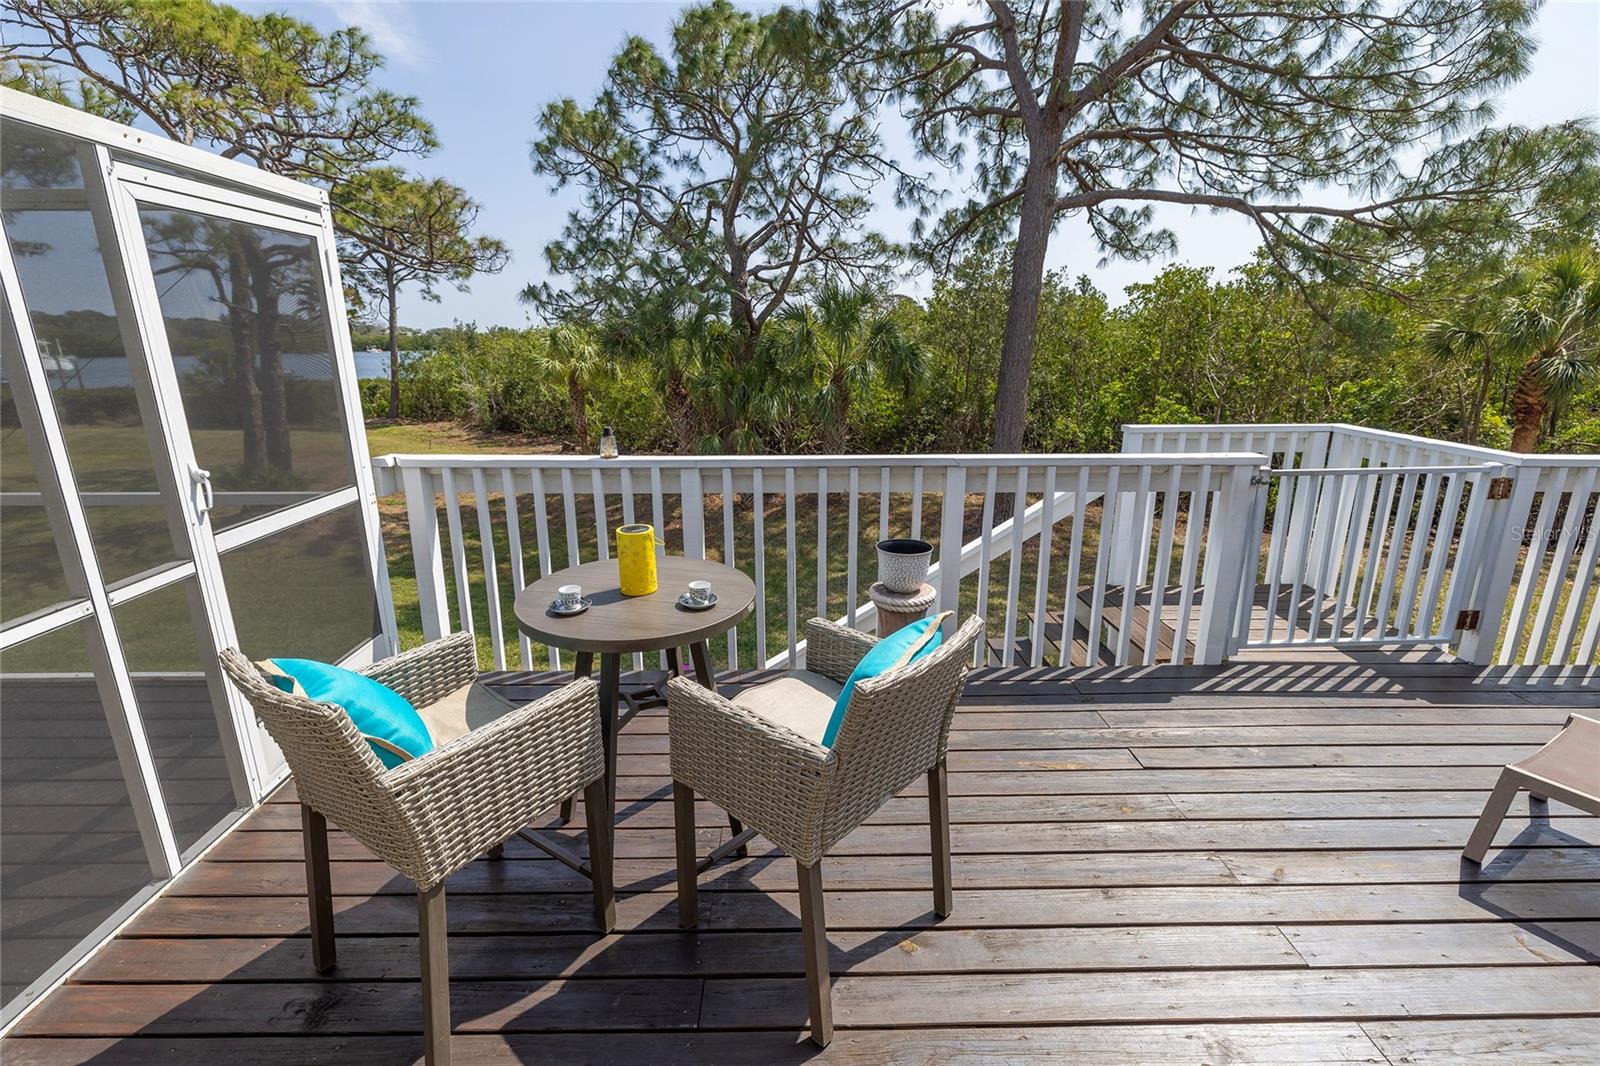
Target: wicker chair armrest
(479, 789)
(833, 650)
(423, 675)
(768, 776)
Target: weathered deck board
(1104, 870)
(1253, 864)
(1104, 1045)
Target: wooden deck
(1256, 863)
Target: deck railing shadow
(1399, 678)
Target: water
(372, 364)
(106, 372)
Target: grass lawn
(131, 539)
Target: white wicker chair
(432, 815)
(758, 757)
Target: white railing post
(1575, 510)
(1124, 522)
(1229, 543)
(1587, 573)
(1333, 518)
(692, 503)
(1532, 563)
(950, 541)
(422, 518)
(1493, 567)
(1303, 507)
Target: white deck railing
(1391, 538)
(802, 527)
(1193, 543)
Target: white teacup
(700, 592)
(569, 596)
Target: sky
(483, 70)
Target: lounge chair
(1566, 769)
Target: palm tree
(572, 359)
(839, 345)
(654, 335)
(1469, 338)
(1552, 327)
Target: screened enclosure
(182, 469)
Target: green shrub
(374, 397)
(632, 405)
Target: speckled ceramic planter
(903, 564)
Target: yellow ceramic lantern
(636, 559)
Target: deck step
(1022, 649)
(1139, 621)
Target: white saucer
(566, 612)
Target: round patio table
(616, 625)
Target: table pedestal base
(612, 719)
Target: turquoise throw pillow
(885, 656)
(386, 718)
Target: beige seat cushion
(799, 700)
(458, 713)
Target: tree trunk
(1022, 317)
(246, 392)
(578, 398)
(680, 412)
(268, 286)
(742, 354)
(1530, 403)
(1480, 400)
(241, 322)
(1022, 312)
(741, 315)
(394, 349)
(837, 429)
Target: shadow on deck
(1250, 863)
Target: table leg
(701, 656)
(582, 666)
(610, 683)
(674, 668)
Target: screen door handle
(205, 498)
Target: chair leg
(814, 935)
(688, 860)
(1494, 812)
(319, 888)
(939, 839)
(496, 852)
(600, 858)
(432, 945)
